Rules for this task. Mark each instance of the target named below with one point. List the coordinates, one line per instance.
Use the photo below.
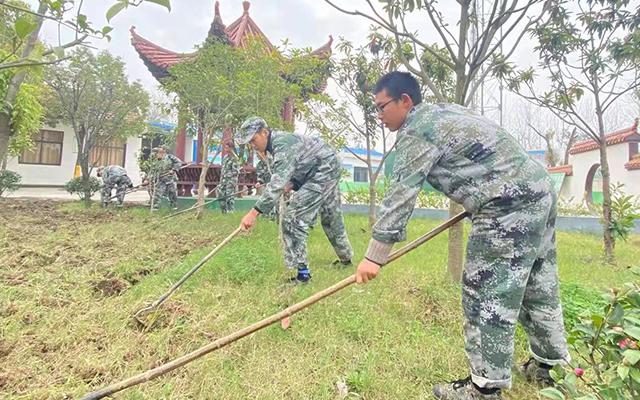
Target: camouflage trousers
(226, 194)
(121, 184)
(312, 199)
(167, 187)
(511, 275)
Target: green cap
(249, 128)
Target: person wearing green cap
(310, 167)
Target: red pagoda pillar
(181, 139)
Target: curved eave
(157, 59)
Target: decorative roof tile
(565, 169)
(158, 59)
(634, 163)
(619, 136)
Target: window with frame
(360, 174)
(46, 151)
(633, 150)
(111, 153)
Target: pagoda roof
(158, 59)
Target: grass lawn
(71, 278)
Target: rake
(217, 344)
(156, 304)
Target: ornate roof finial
(217, 9)
(246, 5)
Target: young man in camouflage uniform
(229, 177)
(113, 176)
(510, 273)
(310, 167)
(165, 178)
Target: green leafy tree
(91, 94)
(482, 40)
(593, 53)
(22, 56)
(223, 85)
(351, 117)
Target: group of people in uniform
(510, 273)
(160, 177)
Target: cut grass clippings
(71, 278)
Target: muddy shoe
(463, 389)
(536, 372)
(342, 263)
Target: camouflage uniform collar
(409, 118)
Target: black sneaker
(537, 372)
(342, 263)
(464, 389)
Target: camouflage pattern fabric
(314, 169)
(510, 272)
(114, 176)
(263, 170)
(263, 176)
(228, 182)
(166, 180)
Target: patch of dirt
(135, 277)
(91, 374)
(110, 286)
(9, 310)
(5, 348)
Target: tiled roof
(565, 169)
(616, 137)
(634, 163)
(158, 59)
(244, 28)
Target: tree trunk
(203, 175)
(373, 194)
(609, 241)
(372, 184)
(5, 136)
(455, 258)
(83, 161)
(455, 245)
(606, 179)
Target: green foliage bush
(9, 181)
(606, 354)
(360, 195)
(625, 209)
(79, 187)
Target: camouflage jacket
(263, 170)
(112, 173)
(296, 158)
(470, 159)
(166, 165)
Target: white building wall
(348, 161)
(618, 156)
(58, 175)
